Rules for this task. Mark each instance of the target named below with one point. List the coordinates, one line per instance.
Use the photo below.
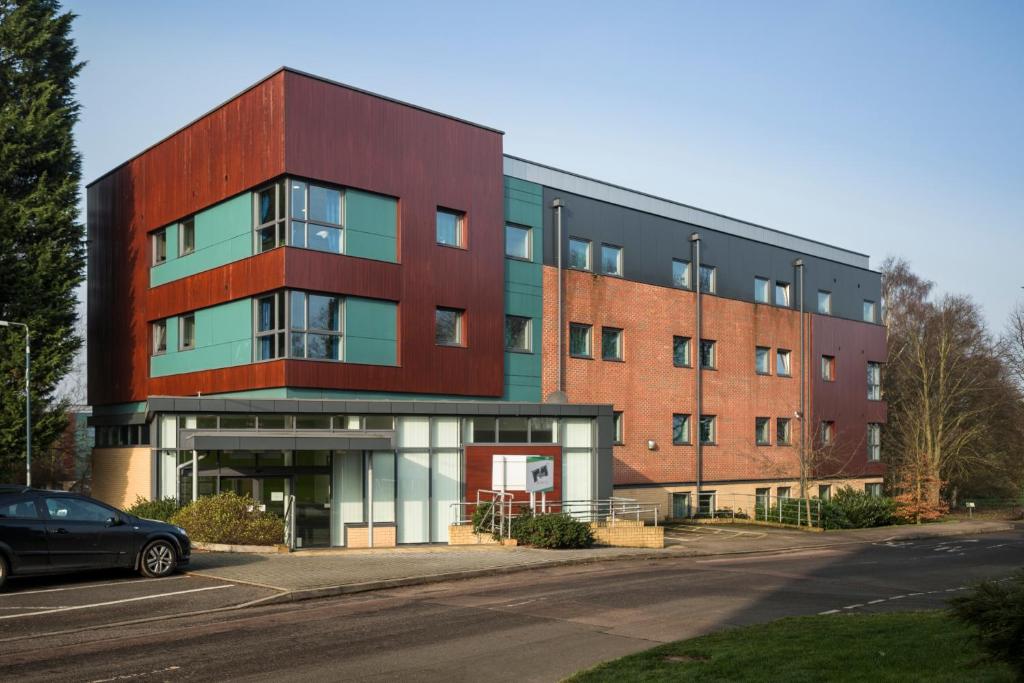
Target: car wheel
(3, 572)
(159, 558)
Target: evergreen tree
(42, 251)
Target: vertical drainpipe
(368, 456)
(556, 204)
(695, 239)
(799, 264)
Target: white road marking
(911, 595)
(875, 602)
(897, 597)
(831, 611)
(853, 606)
(91, 585)
(517, 604)
(128, 677)
(116, 602)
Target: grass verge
(911, 646)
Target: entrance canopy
(284, 440)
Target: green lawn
(916, 646)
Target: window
(828, 368)
(762, 498)
(611, 343)
(372, 422)
(782, 364)
(187, 237)
(517, 334)
(783, 435)
(873, 490)
(159, 247)
(579, 340)
(782, 294)
(77, 510)
(707, 429)
(450, 228)
(518, 242)
(18, 508)
(708, 278)
(874, 441)
(869, 311)
(159, 337)
(681, 352)
(617, 418)
(875, 381)
(315, 326)
(824, 302)
(270, 327)
(579, 253)
(783, 493)
(680, 274)
(316, 214)
(270, 218)
(761, 289)
(825, 491)
(707, 354)
(762, 360)
(611, 259)
(706, 503)
(828, 435)
(448, 327)
(680, 429)
(187, 332)
(763, 431)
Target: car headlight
(182, 531)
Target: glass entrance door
(268, 492)
(312, 510)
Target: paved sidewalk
(314, 573)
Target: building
(319, 292)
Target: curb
(301, 594)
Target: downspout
(558, 395)
(695, 239)
(799, 264)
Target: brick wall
(120, 475)
(649, 389)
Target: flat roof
(575, 183)
(300, 73)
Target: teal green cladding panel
(223, 235)
(524, 205)
(371, 331)
(371, 224)
(223, 339)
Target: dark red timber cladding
(845, 401)
(340, 135)
(479, 468)
(230, 150)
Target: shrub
(997, 611)
(229, 518)
(551, 531)
(853, 509)
(161, 510)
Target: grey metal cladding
(572, 183)
(650, 242)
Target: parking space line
(115, 602)
(91, 585)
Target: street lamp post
(28, 401)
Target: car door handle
(61, 530)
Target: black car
(49, 532)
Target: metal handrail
(764, 508)
(588, 510)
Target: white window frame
(529, 241)
(589, 267)
(758, 282)
(528, 334)
(182, 324)
(618, 272)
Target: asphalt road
(534, 625)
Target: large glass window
(708, 355)
(187, 331)
(315, 326)
(450, 228)
(875, 381)
(782, 294)
(611, 343)
(517, 333)
(762, 360)
(316, 217)
(680, 273)
(783, 364)
(681, 352)
(611, 259)
(708, 279)
(270, 326)
(761, 288)
(869, 311)
(448, 327)
(579, 253)
(518, 242)
(680, 429)
(270, 218)
(579, 340)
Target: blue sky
(883, 127)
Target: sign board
(540, 473)
(508, 473)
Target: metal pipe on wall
(556, 204)
(799, 264)
(695, 240)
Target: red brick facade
(648, 388)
